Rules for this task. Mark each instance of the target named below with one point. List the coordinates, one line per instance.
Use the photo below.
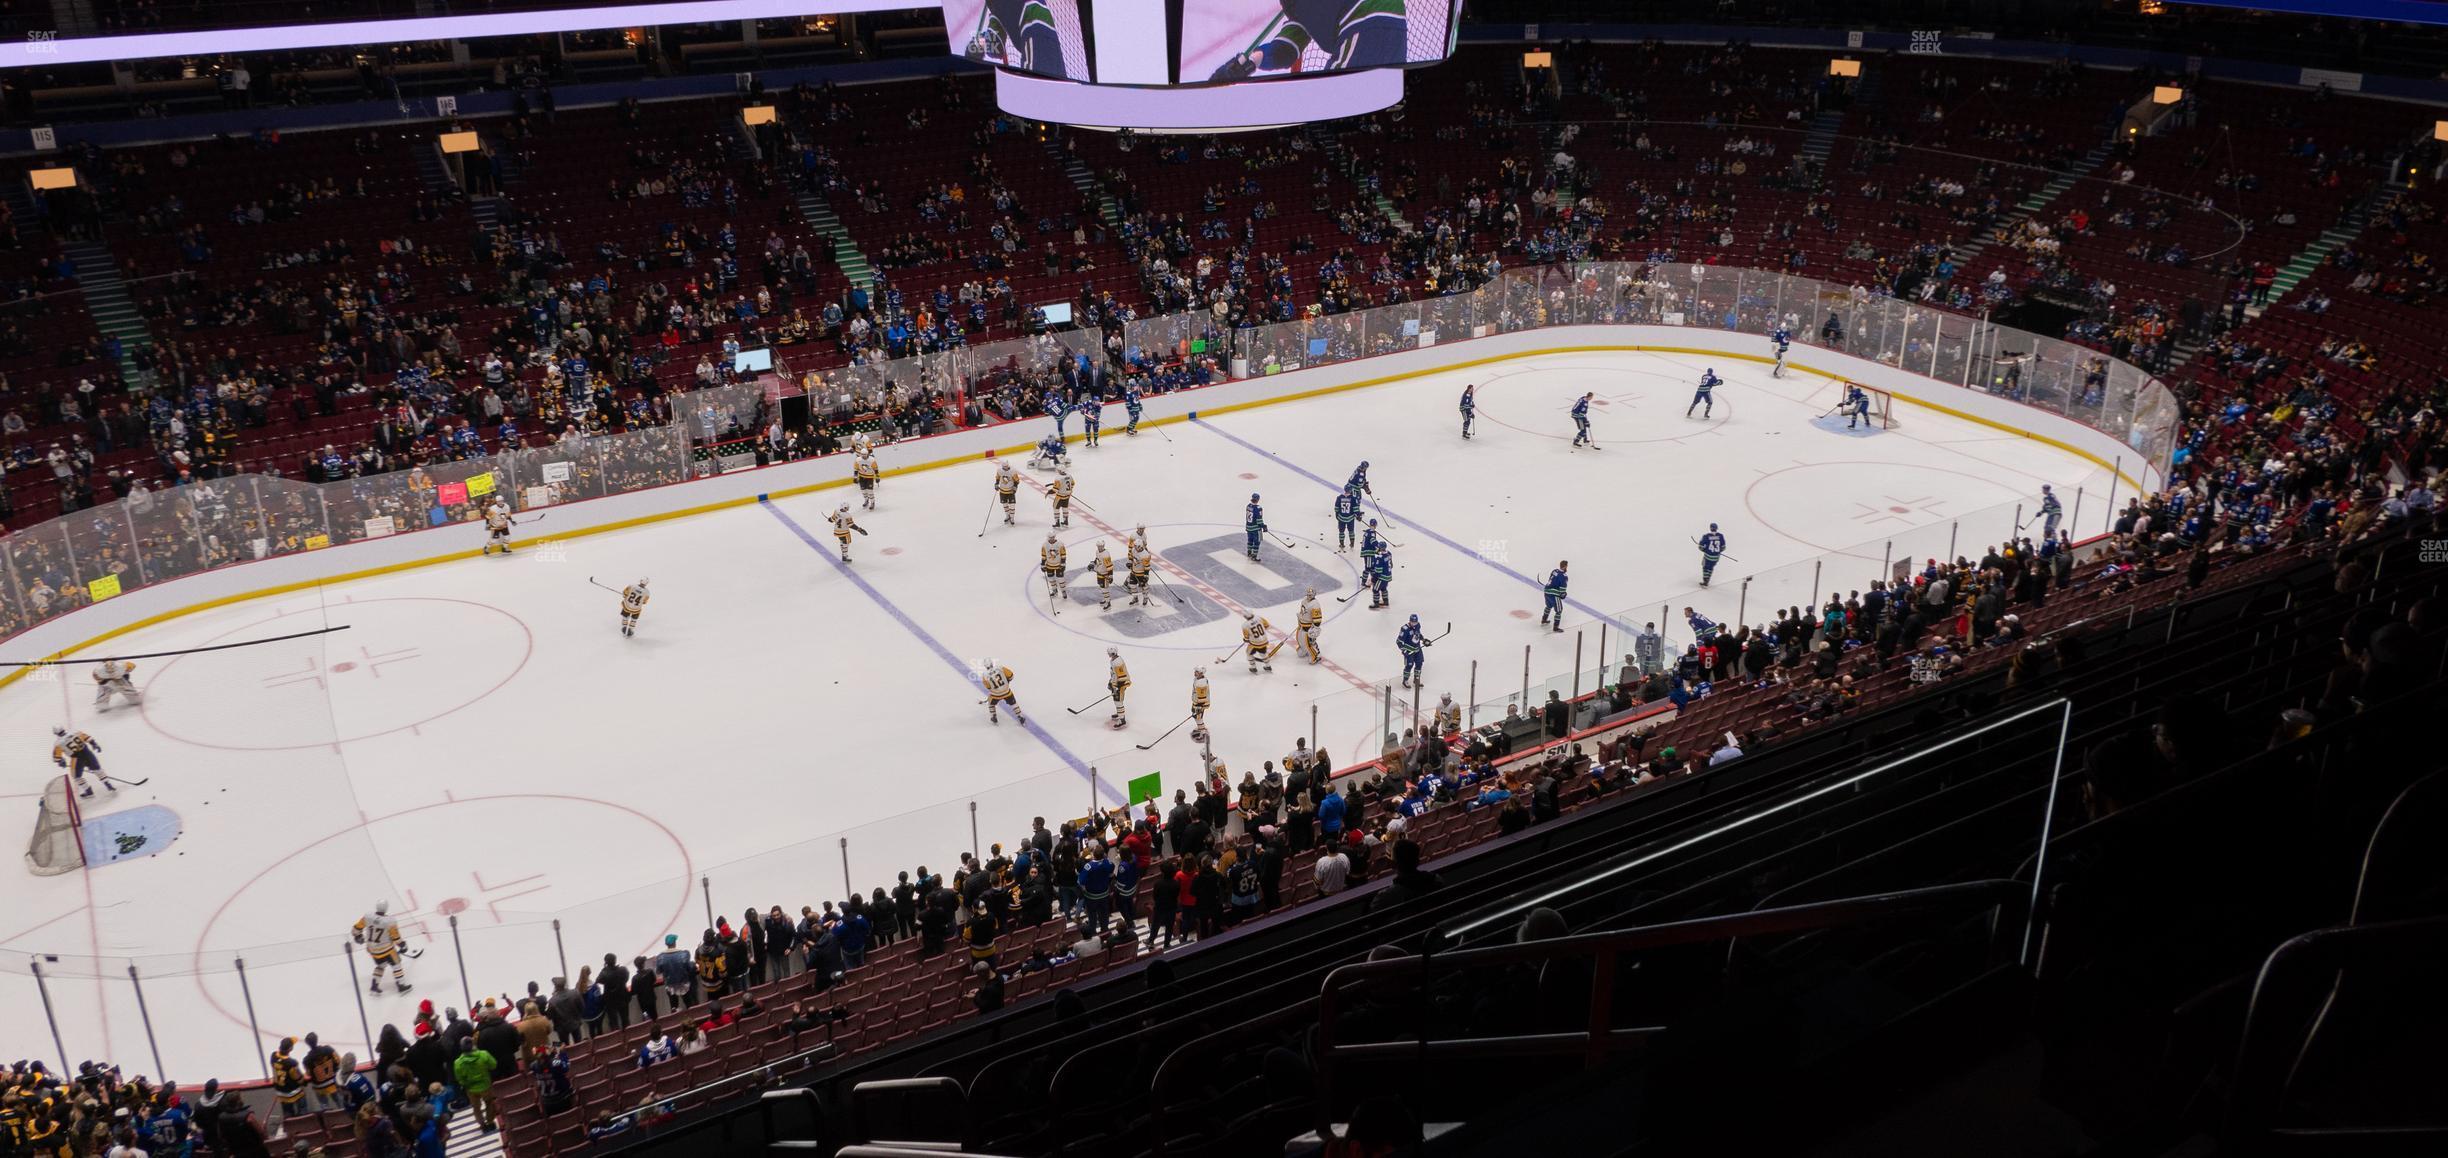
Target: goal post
(1882, 404)
(58, 845)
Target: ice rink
(481, 742)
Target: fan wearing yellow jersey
(867, 473)
(1117, 682)
(998, 683)
(1254, 631)
(1312, 620)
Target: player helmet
(641, 582)
(59, 729)
(1111, 653)
(1712, 526)
(988, 664)
(1372, 522)
(381, 907)
(843, 507)
(1198, 671)
(1364, 464)
(1100, 546)
(1253, 496)
(1310, 593)
(1246, 616)
(1415, 619)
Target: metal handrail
(1597, 1038)
(2304, 972)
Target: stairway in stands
(469, 1140)
(1819, 142)
(819, 215)
(2039, 200)
(108, 300)
(1348, 164)
(2308, 260)
(1084, 180)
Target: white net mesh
(57, 846)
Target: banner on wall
(376, 528)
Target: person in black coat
(429, 1060)
(614, 977)
(905, 907)
(501, 1039)
(780, 939)
(642, 986)
(824, 959)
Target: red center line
(1202, 588)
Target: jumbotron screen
(1148, 42)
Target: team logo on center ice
(1215, 572)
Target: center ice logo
(1220, 565)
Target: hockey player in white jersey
(115, 677)
(497, 526)
(997, 680)
(843, 523)
(1054, 559)
(1117, 685)
(384, 944)
(1007, 492)
(633, 605)
(1307, 627)
(1255, 641)
(1103, 567)
(1060, 494)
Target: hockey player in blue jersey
(1580, 417)
(1703, 628)
(1783, 339)
(1358, 483)
(1856, 406)
(1058, 408)
(1372, 544)
(1380, 575)
(1130, 407)
(2051, 510)
(1555, 596)
(1253, 521)
(1092, 417)
(1347, 520)
(1413, 643)
(1050, 452)
(1470, 407)
(1351, 33)
(1703, 399)
(1712, 548)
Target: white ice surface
(482, 741)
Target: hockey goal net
(1882, 405)
(58, 845)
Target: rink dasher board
(63, 638)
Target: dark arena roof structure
(2111, 838)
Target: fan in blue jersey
(1555, 596)
(1351, 33)
(1470, 408)
(1253, 522)
(1712, 548)
(1704, 398)
(1580, 417)
(1413, 643)
(1347, 518)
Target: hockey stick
(1089, 704)
(1352, 596)
(1168, 587)
(1167, 732)
(529, 519)
(1720, 554)
(1288, 544)
(108, 779)
(159, 654)
(606, 586)
(988, 521)
(1228, 655)
(1442, 634)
